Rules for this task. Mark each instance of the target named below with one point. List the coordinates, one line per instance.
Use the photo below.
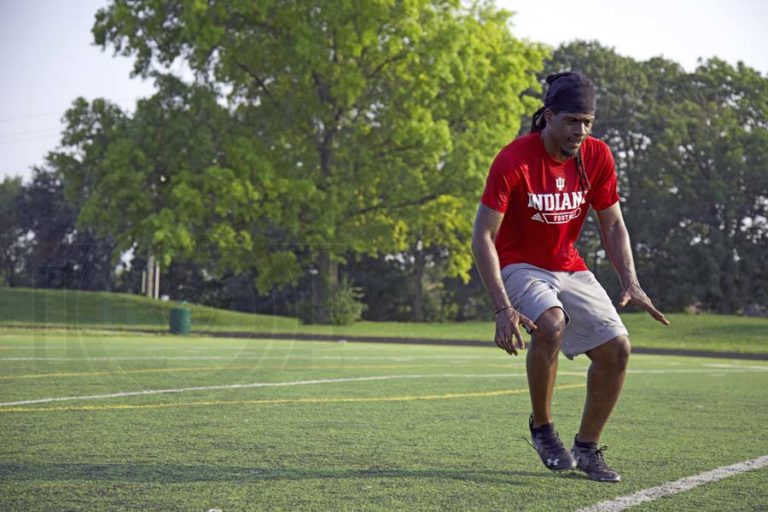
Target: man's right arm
(486, 227)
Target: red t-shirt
(525, 182)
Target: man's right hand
(508, 336)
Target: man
(536, 198)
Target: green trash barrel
(181, 320)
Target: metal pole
(157, 280)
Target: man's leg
(541, 363)
(593, 320)
(604, 382)
(542, 370)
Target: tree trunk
(420, 265)
(10, 275)
(156, 288)
(108, 271)
(149, 287)
(323, 290)
(727, 279)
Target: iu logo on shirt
(560, 183)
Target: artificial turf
(442, 429)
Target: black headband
(571, 92)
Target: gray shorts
(591, 319)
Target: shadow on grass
(171, 473)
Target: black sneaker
(550, 448)
(590, 460)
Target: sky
(47, 55)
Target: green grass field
(193, 424)
(88, 310)
(92, 310)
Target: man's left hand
(636, 294)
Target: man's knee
(614, 353)
(550, 327)
(623, 349)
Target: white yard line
(738, 366)
(678, 486)
(237, 357)
(323, 381)
(145, 392)
(720, 371)
(206, 388)
(316, 357)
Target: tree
(438, 235)
(710, 166)
(690, 153)
(41, 246)
(155, 181)
(11, 232)
(355, 111)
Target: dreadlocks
(538, 122)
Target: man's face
(568, 130)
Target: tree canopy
(329, 129)
(691, 154)
(331, 147)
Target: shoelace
(598, 459)
(550, 442)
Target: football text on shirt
(557, 208)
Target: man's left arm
(619, 250)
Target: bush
(345, 307)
